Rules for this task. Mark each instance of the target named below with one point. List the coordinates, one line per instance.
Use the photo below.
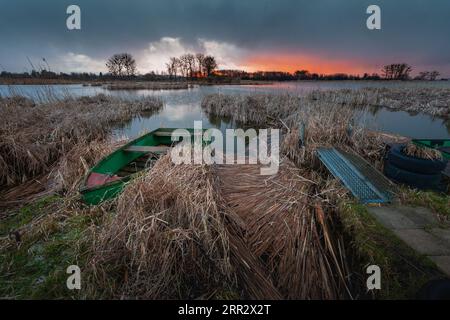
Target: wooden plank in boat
(146, 149)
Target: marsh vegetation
(196, 231)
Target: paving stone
(443, 263)
(423, 242)
(421, 216)
(443, 234)
(391, 218)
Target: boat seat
(153, 149)
(97, 179)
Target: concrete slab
(423, 242)
(443, 234)
(443, 263)
(422, 217)
(392, 218)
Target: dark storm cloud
(412, 30)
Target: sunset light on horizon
(291, 62)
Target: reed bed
(34, 136)
(172, 237)
(164, 242)
(254, 109)
(148, 86)
(432, 101)
(319, 122)
(288, 224)
(196, 231)
(294, 220)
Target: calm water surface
(182, 107)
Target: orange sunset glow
(290, 62)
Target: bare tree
(172, 67)
(200, 57)
(433, 75)
(209, 65)
(122, 64)
(427, 75)
(188, 61)
(130, 65)
(183, 66)
(423, 75)
(396, 71)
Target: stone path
(418, 228)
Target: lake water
(182, 107)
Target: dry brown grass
(68, 173)
(34, 136)
(294, 218)
(415, 151)
(172, 237)
(432, 101)
(324, 123)
(146, 85)
(288, 221)
(251, 109)
(195, 231)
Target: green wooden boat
(107, 178)
(443, 145)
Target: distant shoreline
(203, 82)
(43, 81)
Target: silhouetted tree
(189, 60)
(209, 65)
(172, 67)
(396, 71)
(301, 74)
(200, 57)
(122, 64)
(433, 75)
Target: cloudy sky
(324, 36)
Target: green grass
(438, 202)
(403, 271)
(26, 214)
(36, 268)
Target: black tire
(416, 180)
(422, 166)
(435, 290)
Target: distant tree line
(396, 71)
(427, 75)
(195, 66)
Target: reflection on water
(410, 125)
(182, 107)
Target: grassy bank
(404, 271)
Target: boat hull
(93, 191)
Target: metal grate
(360, 178)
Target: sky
(323, 36)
